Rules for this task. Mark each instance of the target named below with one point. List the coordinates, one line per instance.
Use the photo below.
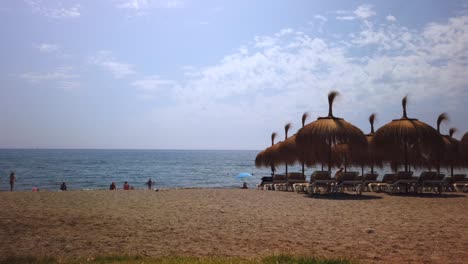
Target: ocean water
(96, 169)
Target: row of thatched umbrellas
(332, 141)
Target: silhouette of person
(12, 180)
(150, 183)
(112, 187)
(63, 187)
(126, 186)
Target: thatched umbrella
(408, 137)
(341, 155)
(291, 153)
(464, 148)
(322, 134)
(452, 151)
(369, 156)
(439, 156)
(269, 156)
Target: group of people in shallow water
(127, 186)
(63, 187)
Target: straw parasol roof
(464, 148)
(286, 130)
(291, 153)
(271, 156)
(452, 151)
(268, 157)
(369, 156)
(328, 131)
(342, 155)
(406, 140)
(259, 159)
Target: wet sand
(373, 228)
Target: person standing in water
(150, 183)
(12, 180)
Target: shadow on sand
(344, 196)
(369, 196)
(429, 195)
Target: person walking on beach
(112, 187)
(126, 186)
(63, 187)
(150, 183)
(12, 180)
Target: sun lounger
(321, 181)
(403, 181)
(304, 186)
(349, 181)
(367, 179)
(383, 185)
(278, 181)
(293, 178)
(460, 183)
(265, 180)
(431, 181)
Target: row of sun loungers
(400, 182)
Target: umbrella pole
(362, 170)
(329, 156)
(286, 166)
(345, 164)
(372, 168)
(303, 171)
(406, 157)
(438, 166)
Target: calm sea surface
(96, 169)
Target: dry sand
(231, 222)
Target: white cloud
(390, 18)
(132, 4)
(61, 77)
(140, 5)
(320, 17)
(364, 11)
(54, 10)
(361, 12)
(276, 78)
(345, 17)
(153, 84)
(44, 47)
(105, 60)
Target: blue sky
(178, 74)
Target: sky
(184, 74)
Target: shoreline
(373, 228)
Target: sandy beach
(373, 228)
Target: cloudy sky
(185, 74)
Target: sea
(46, 169)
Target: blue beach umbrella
(243, 175)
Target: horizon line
(181, 149)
